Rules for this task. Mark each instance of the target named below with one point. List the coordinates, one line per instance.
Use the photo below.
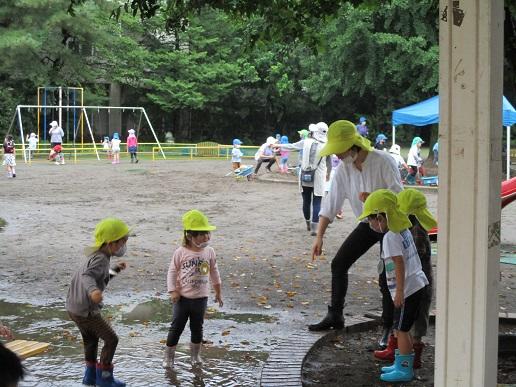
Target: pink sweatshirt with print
(189, 272)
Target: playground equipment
(83, 115)
(507, 194)
(68, 96)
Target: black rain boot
(385, 338)
(333, 319)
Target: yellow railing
(196, 151)
(175, 151)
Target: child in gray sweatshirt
(84, 300)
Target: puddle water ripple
(233, 359)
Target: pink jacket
(132, 141)
(190, 271)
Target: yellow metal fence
(190, 151)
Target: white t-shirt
(402, 245)
(115, 145)
(33, 142)
(414, 157)
(379, 170)
(400, 162)
(236, 155)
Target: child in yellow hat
(84, 300)
(405, 278)
(413, 203)
(192, 266)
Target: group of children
(406, 276)
(268, 152)
(192, 267)
(112, 147)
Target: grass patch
(3, 223)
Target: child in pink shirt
(132, 145)
(188, 285)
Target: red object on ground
(507, 193)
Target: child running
(187, 281)
(132, 145)
(236, 154)
(115, 148)
(405, 278)
(84, 300)
(9, 156)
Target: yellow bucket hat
(413, 202)
(195, 220)
(384, 200)
(342, 135)
(109, 230)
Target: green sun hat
(413, 202)
(385, 201)
(417, 140)
(342, 135)
(109, 230)
(303, 133)
(195, 220)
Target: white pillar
(470, 143)
(60, 119)
(508, 153)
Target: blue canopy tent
(427, 112)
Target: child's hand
(175, 296)
(122, 265)
(218, 298)
(6, 332)
(96, 296)
(398, 299)
(362, 196)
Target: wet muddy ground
(347, 360)
(270, 285)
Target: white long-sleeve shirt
(379, 170)
(414, 157)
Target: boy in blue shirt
(236, 154)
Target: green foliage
(214, 70)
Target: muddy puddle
(236, 345)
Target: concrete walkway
(284, 365)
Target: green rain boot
(403, 371)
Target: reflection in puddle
(230, 359)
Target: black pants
(270, 162)
(311, 202)
(358, 242)
(421, 324)
(184, 309)
(93, 328)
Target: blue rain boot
(105, 377)
(90, 376)
(403, 372)
(392, 367)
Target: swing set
(76, 116)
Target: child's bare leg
(404, 342)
